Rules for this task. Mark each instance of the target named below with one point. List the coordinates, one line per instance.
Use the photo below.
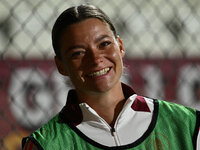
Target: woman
(101, 112)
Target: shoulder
(173, 108)
(178, 115)
(183, 118)
(32, 142)
(163, 107)
(45, 134)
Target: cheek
(117, 59)
(75, 70)
(115, 55)
(74, 64)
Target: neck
(107, 104)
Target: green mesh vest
(175, 127)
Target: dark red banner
(32, 91)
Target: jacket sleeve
(197, 132)
(29, 143)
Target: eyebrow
(73, 47)
(101, 37)
(81, 46)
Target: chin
(102, 88)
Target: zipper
(114, 134)
(112, 129)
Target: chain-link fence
(161, 39)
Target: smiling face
(91, 56)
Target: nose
(94, 56)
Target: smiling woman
(101, 112)
(91, 57)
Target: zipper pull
(112, 130)
(115, 136)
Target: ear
(61, 68)
(121, 47)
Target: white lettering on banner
(125, 78)
(35, 96)
(153, 82)
(189, 76)
(61, 87)
(31, 98)
(33, 101)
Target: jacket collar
(72, 111)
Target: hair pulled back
(74, 15)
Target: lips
(99, 73)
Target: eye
(77, 54)
(104, 44)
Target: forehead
(88, 27)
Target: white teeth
(99, 73)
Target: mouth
(99, 73)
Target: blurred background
(161, 39)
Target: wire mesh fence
(161, 39)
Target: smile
(99, 73)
